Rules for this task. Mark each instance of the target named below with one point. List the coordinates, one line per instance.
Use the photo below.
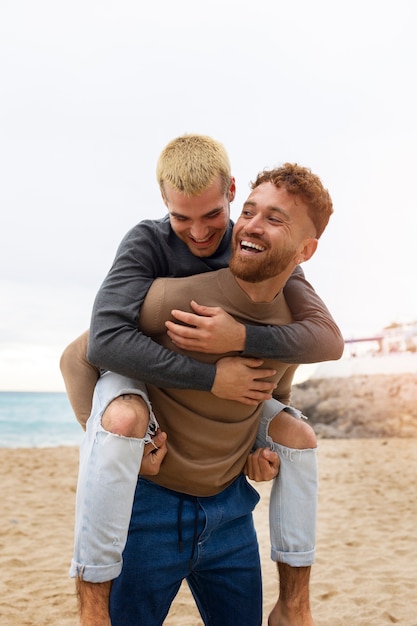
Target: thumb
(160, 438)
(251, 361)
(270, 455)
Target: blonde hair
(190, 164)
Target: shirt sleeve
(313, 336)
(116, 343)
(282, 392)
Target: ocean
(37, 420)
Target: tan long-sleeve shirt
(209, 438)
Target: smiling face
(200, 221)
(272, 235)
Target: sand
(366, 567)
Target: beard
(260, 266)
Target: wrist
(240, 339)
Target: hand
(209, 329)
(263, 464)
(153, 456)
(240, 379)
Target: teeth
(255, 246)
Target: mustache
(255, 237)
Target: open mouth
(249, 246)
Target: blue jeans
(210, 542)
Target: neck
(266, 290)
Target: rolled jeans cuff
(294, 559)
(95, 573)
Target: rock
(379, 405)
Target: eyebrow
(208, 214)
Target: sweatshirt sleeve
(115, 343)
(313, 336)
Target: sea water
(37, 419)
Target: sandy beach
(366, 567)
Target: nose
(255, 224)
(199, 231)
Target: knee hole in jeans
(292, 432)
(126, 415)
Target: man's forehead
(203, 205)
(268, 195)
(193, 189)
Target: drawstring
(195, 533)
(179, 524)
(195, 529)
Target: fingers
(253, 363)
(253, 398)
(260, 390)
(244, 366)
(181, 332)
(269, 461)
(250, 361)
(153, 456)
(236, 381)
(207, 311)
(185, 337)
(185, 318)
(259, 386)
(201, 310)
(180, 329)
(262, 464)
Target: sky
(91, 91)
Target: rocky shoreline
(378, 405)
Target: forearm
(301, 342)
(115, 342)
(80, 377)
(313, 336)
(131, 353)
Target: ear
(308, 248)
(232, 190)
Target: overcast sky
(92, 90)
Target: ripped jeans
(293, 500)
(108, 475)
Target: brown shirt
(209, 438)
